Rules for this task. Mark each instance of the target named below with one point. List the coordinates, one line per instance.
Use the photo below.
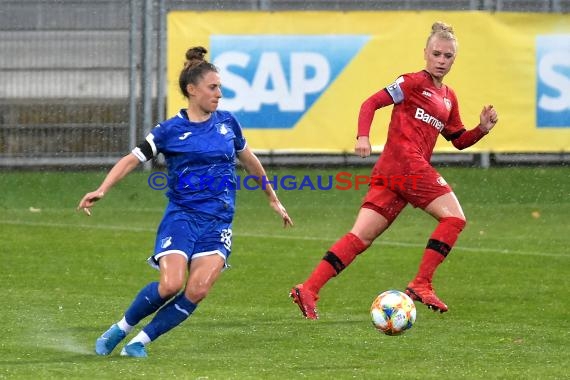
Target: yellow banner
(296, 80)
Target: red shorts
(389, 194)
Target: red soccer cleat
(423, 292)
(306, 300)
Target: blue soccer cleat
(109, 340)
(135, 350)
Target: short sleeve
(157, 138)
(239, 143)
(149, 148)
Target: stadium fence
(83, 81)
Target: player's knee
(170, 287)
(366, 236)
(454, 221)
(197, 293)
(366, 240)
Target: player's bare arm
(253, 167)
(123, 167)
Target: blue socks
(146, 302)
(170, 316)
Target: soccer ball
(393, 312)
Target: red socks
(439, 245)
(339, 256)
(345, 250)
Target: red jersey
(421, 112)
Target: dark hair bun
(196, 53)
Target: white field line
(286, 237)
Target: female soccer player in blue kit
(195, 234)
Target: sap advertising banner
(271, 81)
(296, 80)
(553, 81)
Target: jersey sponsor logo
(553, 81)
(271, 81)
(428, 119)
(185, 135)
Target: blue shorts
(192, 235)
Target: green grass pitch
(66, 277)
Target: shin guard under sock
(339, 256)
(170, 316)
(439, 245)
(145, 303)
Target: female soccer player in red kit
(424, 107)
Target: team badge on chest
(222, 129)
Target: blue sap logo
(270, 81)
(553, 81)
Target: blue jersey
(200, 158)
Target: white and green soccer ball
(393, 312)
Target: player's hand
(278, 207)
(89, 200)
(362, 147)
(488, 118)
